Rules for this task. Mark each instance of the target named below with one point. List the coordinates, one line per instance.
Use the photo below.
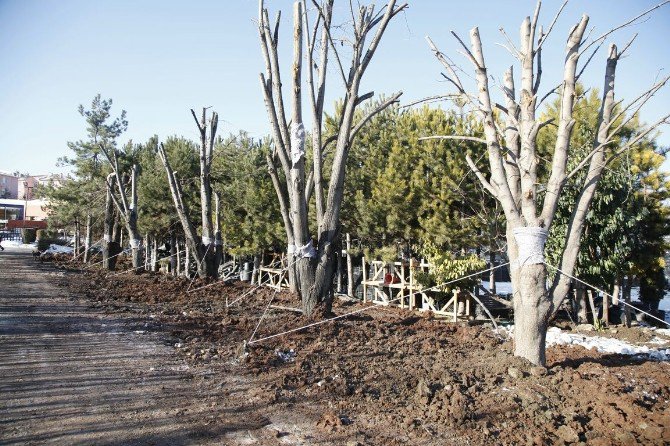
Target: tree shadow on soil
(609, 361)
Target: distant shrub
(28, 235)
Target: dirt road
(70, 374)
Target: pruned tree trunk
(513, 178)
(127, 208)
(179, 251)
(154, 254)
(580, 296)
(77, 238)
(111, 246)
(174, 257)
(257, 265)
(203, 248)
(311, 266)
(88, 240)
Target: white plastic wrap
(530, 241)
(297, 142)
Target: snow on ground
(58, 249)
(15, 244)
(556, 336)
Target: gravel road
(73, 374)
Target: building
(27, 184)
(17, 198)
(9, 185)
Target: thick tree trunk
(309, 272)
(531, 312)
(257, 265)
(580, 296)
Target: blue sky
(158, 59)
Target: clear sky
(157, 59)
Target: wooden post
(177, 270)
(606, 309)
(365, 279)
(412, 296)
(350, 269)
(187, 260)
(146, 252)
(456, 305)
(627, 316)
(492, 273)
(339, 271)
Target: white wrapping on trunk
(530, 241)
(290, 249)
(305, 251)
(206, 240)
(107, 238)
(135, 243)
(218, 242)
(297, 142)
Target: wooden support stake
(350, 269)
(365, 279)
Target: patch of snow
(16, 244)
(657, 340)
(288, 356)
(555, 336)
(58, 249)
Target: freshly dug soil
(387, 376)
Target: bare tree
(202, 248)
(126, 206)
(312, 267)
(530, 207)
(111, 247)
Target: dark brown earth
(384, 376)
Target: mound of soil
(390, 376)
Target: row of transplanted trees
(393, 176)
